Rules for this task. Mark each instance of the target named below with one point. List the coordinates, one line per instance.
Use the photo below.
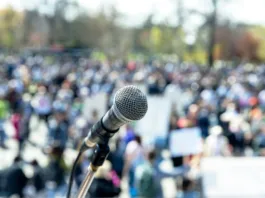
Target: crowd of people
(226, 103)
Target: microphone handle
(98, 134)
(111, 121)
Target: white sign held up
(185, 142)
(156, 121)
(233, 177)
(97, 103)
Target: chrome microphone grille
(131, 102)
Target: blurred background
(200, 63)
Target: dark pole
(212, 34)
(180, 25)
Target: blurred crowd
(226, 103)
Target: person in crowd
(186, 188)
(15, 119)
(216, 144)
(128, 136)
(156, 84)
(94, 118)
(198, 117)
(56, 88)
(38, 179)
(103, 185)
(13, 97)
(24, 124)
(78, 130)
(42, 104)
(203, 121)
(16, 180)
(226, 117)
(255, 117)
(59, 125)
(134, 156)
(76, 109)
(237, 137)
(65, 94)
(55, 172)
(149, 175)
(259, 139)
(146, 183)
(10, 68)
(116, 158)
(3, 192)
(4, 109)
(81, 168)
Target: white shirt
(42, 104)
(134, 153)
(216, 145)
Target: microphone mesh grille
(131, 102)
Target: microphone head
(131, 103)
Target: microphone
(130, 104)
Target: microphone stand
(100, 154)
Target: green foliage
(161, 39)
(259, 33)
(155, 39)
(197, 55)
(9, 27)
(142, 57)
(97, 55)
(102, 32)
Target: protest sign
(185, 142)
(233, 177)
(97, 102)
(156, 121)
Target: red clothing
(115, 179)
(15, 120)
(131, 66)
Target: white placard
(185, 142)
(96, 102)
(156, 121)
(233, 177)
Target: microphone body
(130, 104)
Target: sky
(135, 11)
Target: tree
(10, 24)
(258, 33)
(210, 23)
(247, 46)
(225, 38)
(155, 39)
(36, 29)
(212, 34)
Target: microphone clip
(101, 152)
